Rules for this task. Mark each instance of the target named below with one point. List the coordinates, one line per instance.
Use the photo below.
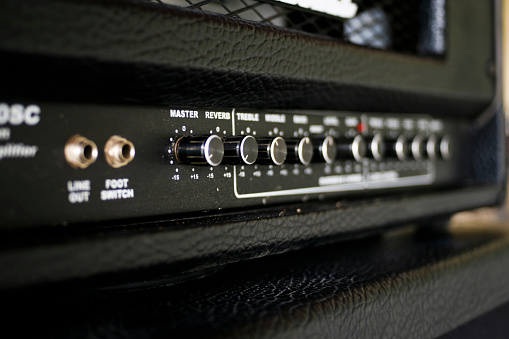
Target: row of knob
(213, 150)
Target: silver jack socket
(118, 151)
(80, 152)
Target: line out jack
(119, 151)
(80, 152)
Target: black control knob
(271, 151)
(398, 148)
(240, 150)
(325, 150)
(354, 149)
(299, 150)
(376, 147)
(200, 150)
(418, 147)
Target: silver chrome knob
(376, 147)
(445, 147)
(271, 151)
(398, 148)
(433, 147)
(200, 150)
(240, 150)
(325, 150)
(354, 149)
(418, 147)
(300, 150)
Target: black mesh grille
(414, 27)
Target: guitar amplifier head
(140, 138)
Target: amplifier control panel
(66, 163)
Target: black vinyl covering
(406, 284)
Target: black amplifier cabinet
(174, 136)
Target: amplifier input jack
(119, 151)
(80, 152)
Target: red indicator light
(361, 128)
